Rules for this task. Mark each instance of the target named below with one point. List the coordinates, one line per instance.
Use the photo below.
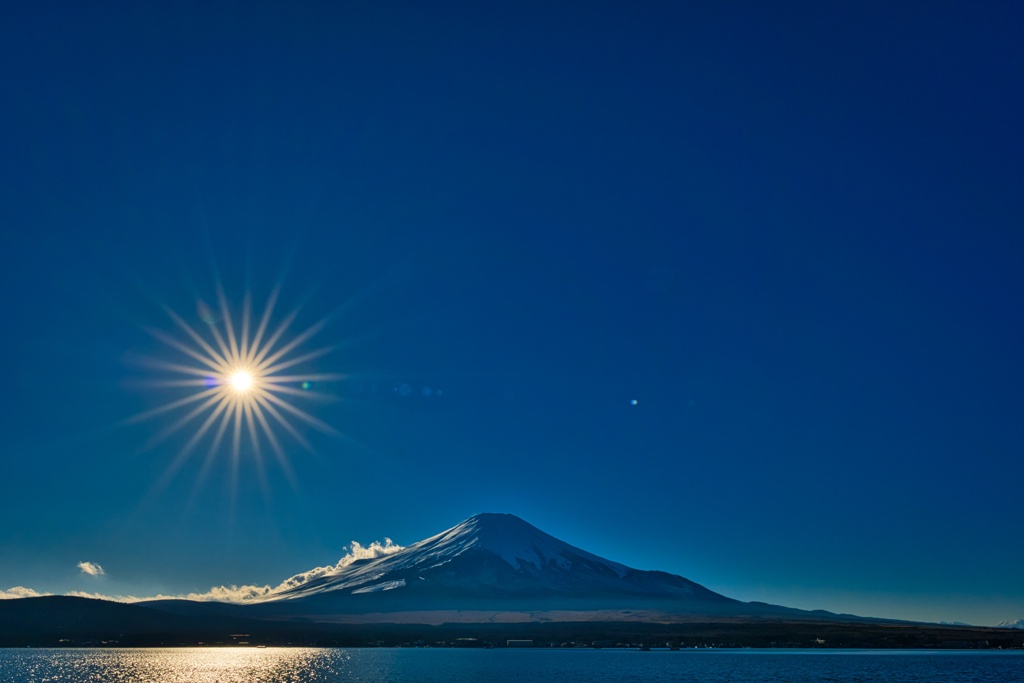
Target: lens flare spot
(205, 313)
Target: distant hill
(57, 620)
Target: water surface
(251, 665)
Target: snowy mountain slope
(494, 563)
(498, 556)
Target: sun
(241, 384)
(241, 381)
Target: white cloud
(20, 592)
(374, 550)
(101, 596)
(224, 594)
(91, 568)
(216, 594)
(237, 594)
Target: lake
(278, 665)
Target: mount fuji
(491, 567)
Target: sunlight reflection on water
(288, 665)
(186, 665)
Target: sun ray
(291, 391)
(188, 417)
(250, 424)
(186, 451)
(246, 309)
(171, 406)
(236, 451)
(201, 432)
(224, 357)
(176, 367)
(234, 357)
(166, 432)
(195, 336)
(236, 431)
(292, 362)
(213, 362)
(299, 379)
(301, 414)
(257, 359)
(306, 334)
(285, 424)
(257, 452)
(181, 383)
(218, 438)
(275, 445)
(264, 321)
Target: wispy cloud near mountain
(250, 593)
(356, 552)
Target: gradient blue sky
(791, 232)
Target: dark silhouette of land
(61, 621)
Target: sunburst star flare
(245, 380)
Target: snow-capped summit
(1019, 623)
(514, 541)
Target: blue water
(250, 665)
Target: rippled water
(250, 665)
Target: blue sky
(790, 234)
